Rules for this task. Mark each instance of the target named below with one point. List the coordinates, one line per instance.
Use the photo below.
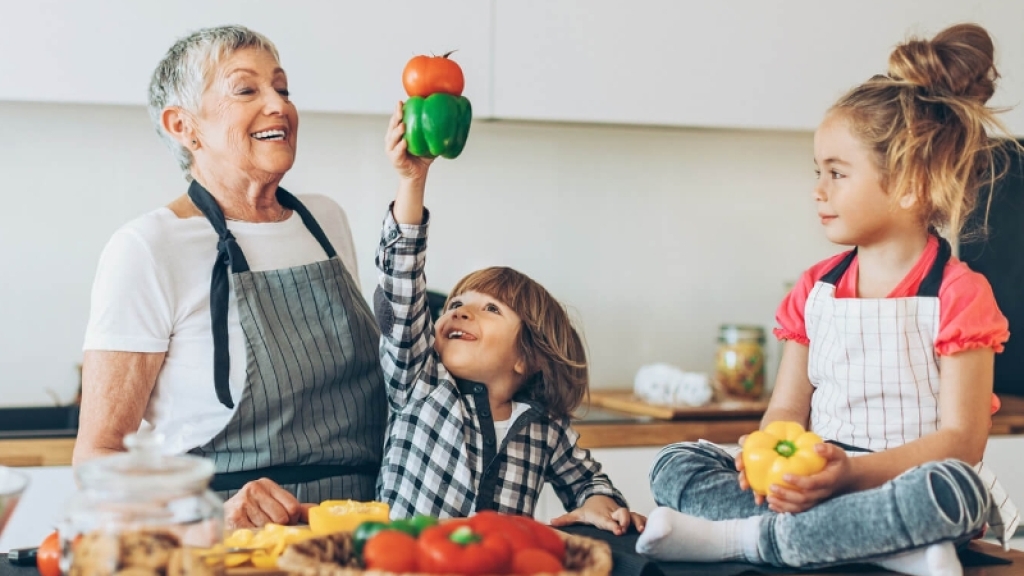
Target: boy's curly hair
(556, 359)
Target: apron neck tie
(229, 255)
(231, 260)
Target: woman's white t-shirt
(152, 294)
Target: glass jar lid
(144, 469)
(735, 333)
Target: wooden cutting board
(626, 401)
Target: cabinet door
(737, 63)
(342, 56)
(626, 467)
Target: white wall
(653, 236)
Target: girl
(481, 404)
(888, 348)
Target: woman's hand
(744, 484)
(604, 513)
(809, 491)
(408, 166)
(262, 502)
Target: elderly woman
(230, 321)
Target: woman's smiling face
(246, 121)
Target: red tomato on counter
(48, 556)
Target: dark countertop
(39, 422)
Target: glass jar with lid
(739, 362)
(143, 512)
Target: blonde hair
(556, 360)
(928, 124)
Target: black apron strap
(847, 447)
(933, 280)
(228, 255)
(833, 275)
(289, 201)
(291, 474)
(929, 286)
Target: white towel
(665, 384)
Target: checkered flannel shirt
(441, 456)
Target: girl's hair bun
(958, 62)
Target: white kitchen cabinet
(735, 63)
(626, 467)
(344, 56)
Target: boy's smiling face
(477, 338)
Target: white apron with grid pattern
(873, 365)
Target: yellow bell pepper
(781, 448)
(345, 515)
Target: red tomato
(48, 556)
(517, 534)
(535, 561)
(390, 551)
(545, 536)
(426, 75)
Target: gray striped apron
(313, 411)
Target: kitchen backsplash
(652, 237)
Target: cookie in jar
(739, 362)
(143, 513)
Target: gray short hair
(184, 74)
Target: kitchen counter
(633, 431)
(598, 428)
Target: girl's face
(853, 206)
(477, 338)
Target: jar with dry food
(143, 513)
(739, 363)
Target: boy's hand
(604, 513)
(408, 166)
(809, 491)
(744, 485)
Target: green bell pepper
(411, 526)
(437, 125)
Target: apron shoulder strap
(228, 255)
(288, 200)
(837, 271)
(933, 280)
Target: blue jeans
(937, 502)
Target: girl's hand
(604, 513)
(809, 491)
(408, 166)
(744, 485)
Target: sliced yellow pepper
(264, 546)
(781, 448)
(345, 515)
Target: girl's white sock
(673, 536)
(934, 560)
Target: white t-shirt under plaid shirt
(441, 456)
